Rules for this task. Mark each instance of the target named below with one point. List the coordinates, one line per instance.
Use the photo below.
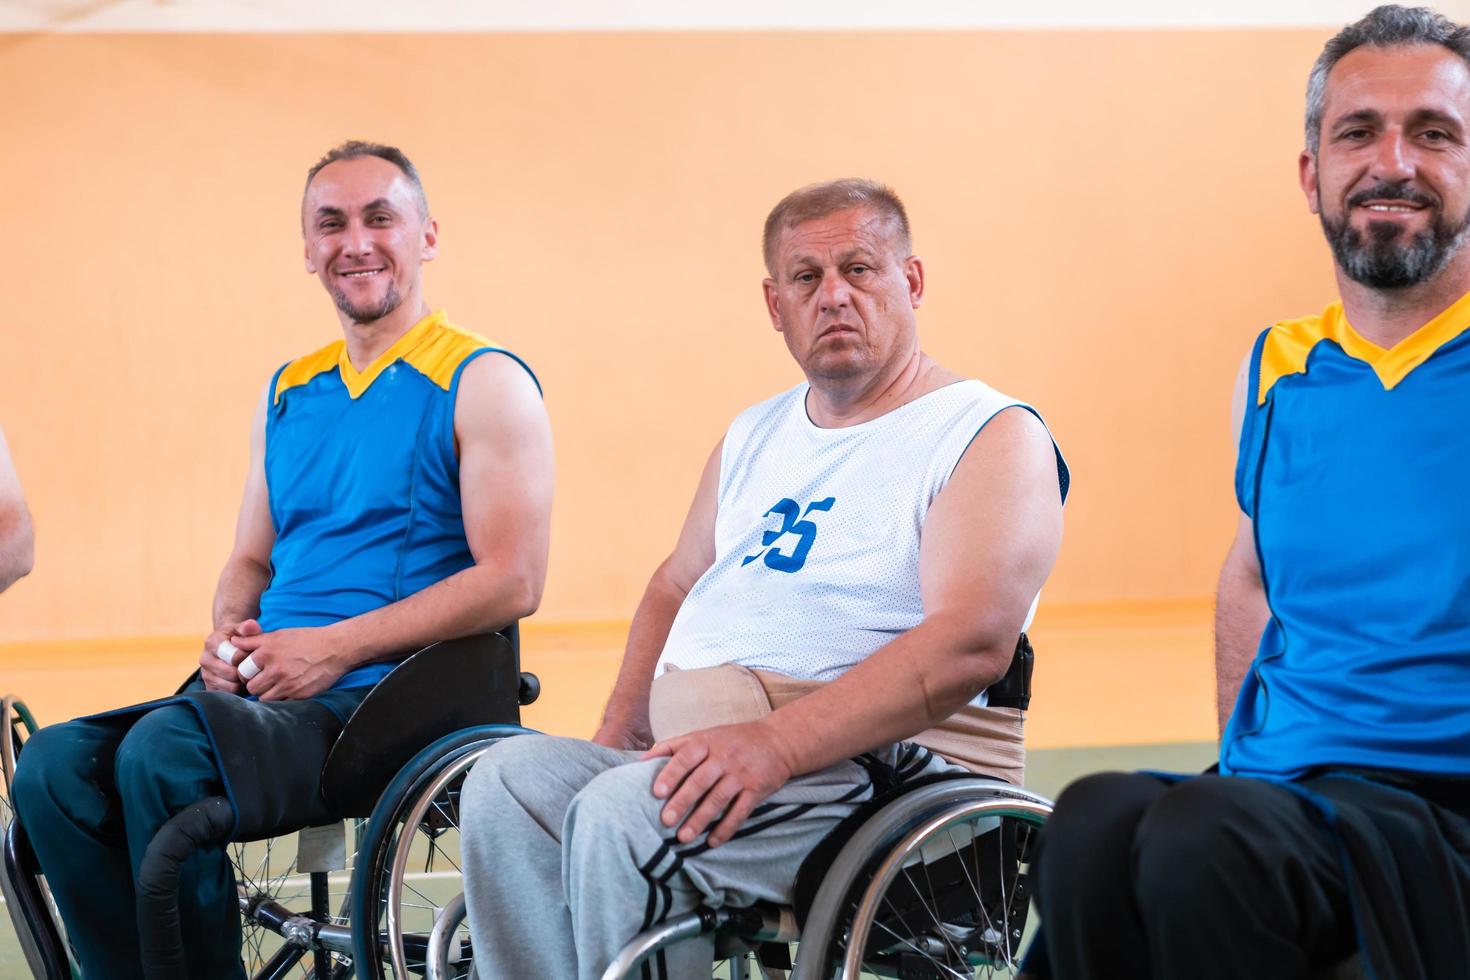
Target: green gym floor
(1114, 688)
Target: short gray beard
(367, 314)
(1382, 261)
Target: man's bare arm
(17, 534)
(1241, 614)
(1240, 602)
(625, 719)
(506, 477)
(990, 540)
(247, 570)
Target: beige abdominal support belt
(988, 741)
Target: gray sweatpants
(566, 859)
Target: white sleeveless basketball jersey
(817, 532)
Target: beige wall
(1107, 219)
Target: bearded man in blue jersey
(1340, 815)
(399, 493)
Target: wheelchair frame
(310, 933)
(416, 787)
(853, 881)
(933, 806)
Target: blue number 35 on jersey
(806, 532)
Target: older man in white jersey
(872, 540)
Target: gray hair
(1384, 27)
(819, 200)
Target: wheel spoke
(264, 872)
(1006, 952)
(928, 906)
(933, 912)
(423, 834)
(959, 851)
(928, 956)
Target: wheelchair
(932, 884)
(456, 697)
(927, 880)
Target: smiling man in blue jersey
(1340, 816)
(398, 493)
(860, 556)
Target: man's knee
(1205, 835)
(1101, 801)
(53, 764)
(617, 806)
(493, 781)
(1094, 823)
(165, 751)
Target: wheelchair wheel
(267, 877)
(404, 898)
(938, 888)
(16, 725)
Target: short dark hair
(829, 197)
(1383, 27)
(353, 149)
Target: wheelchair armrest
(463, 683)
(1014, 689)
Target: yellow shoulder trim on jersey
(1402, 358)
(434, 346)
(1291, 341)
(358, 382)
(440, 353)
(303, 369)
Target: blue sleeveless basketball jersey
(364, 479)
(1353, 466)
